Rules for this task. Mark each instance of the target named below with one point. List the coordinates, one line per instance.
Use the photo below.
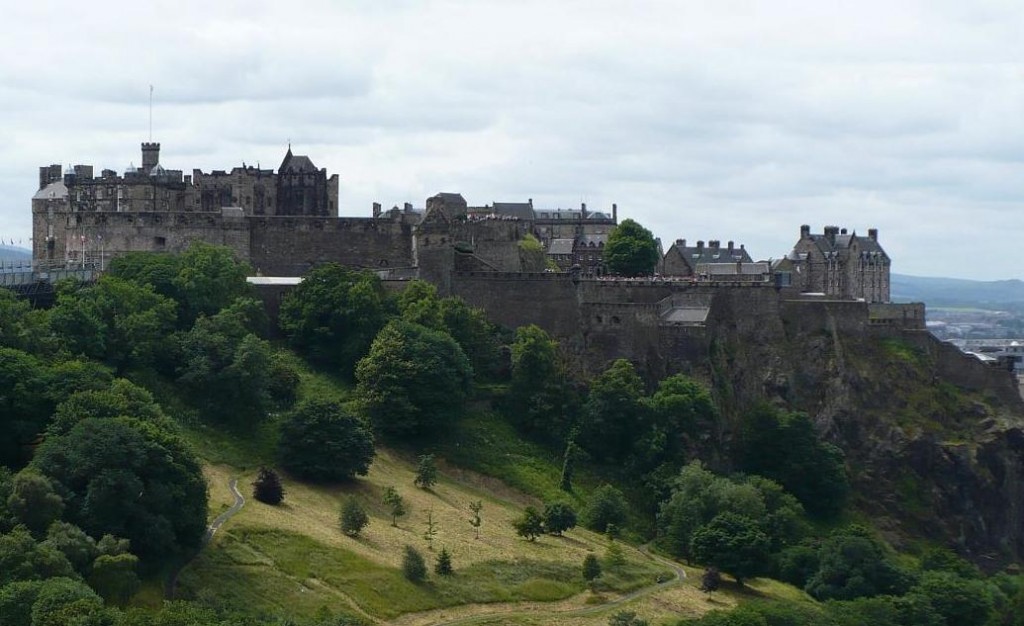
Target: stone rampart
(290, 246)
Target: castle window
(599, 319)
(159, 242)
(616, 320)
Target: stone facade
(841, 264)
(683, 260)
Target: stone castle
(520, 263)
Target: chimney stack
(873, 234)
(376, 209)
(531, 202)
(730, 246)
(805, 231)
(700, 245)
(615, 213)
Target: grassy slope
(292, 559)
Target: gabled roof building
(841, 264)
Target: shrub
(267, 487)
(353, 517)
(414, 568)
(443, 567)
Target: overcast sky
(721, 119)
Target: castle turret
(150, 156)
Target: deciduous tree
(413, 382)
(321, 440)
(353, 517)
(333, 315)
(631, 250)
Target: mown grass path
(474, 614)
(172, 580)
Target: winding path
(226, 515)
(535, 611)
(172, 580)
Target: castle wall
(548, 300)
(109, 233)
(286, 246)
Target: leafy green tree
(395, 504)
(607, 506)
(784, 447)
(796, 564)
(25, 407)
(680, 410)
(443, 567)
(568, 466)
(733, 543)
(853, 564)
(115, 321)
(698, 496)
(225, 367)
(614, 411)
(21, 327)
(530, 524)
(430, 529)
(541, 401)
(938, 559)
(413, 382)
(333, 315)
(78, 547)
(209, 279)
(129, 478)
(353, 517)
(114, 577)
(959, 601)
(631, 250)
(426, 472)
(559, 517)
(267, 487)
(21, 558)
(414, 568)
(591, 568)
(157, 269)
(711, 580)
(33, 501)
(320, 440)
(16, 600)
(58, 594)
(475, 507)
(120, 398)
(468, 326)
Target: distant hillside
(14, 253)
(956, 291)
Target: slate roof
(686, 315)
(561, 246)
(843, 241)
(521, 210)
(694, 255)
(598, 241)
(54, 190)
(731, 269)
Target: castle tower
(150, 156)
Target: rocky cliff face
(934, 440)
